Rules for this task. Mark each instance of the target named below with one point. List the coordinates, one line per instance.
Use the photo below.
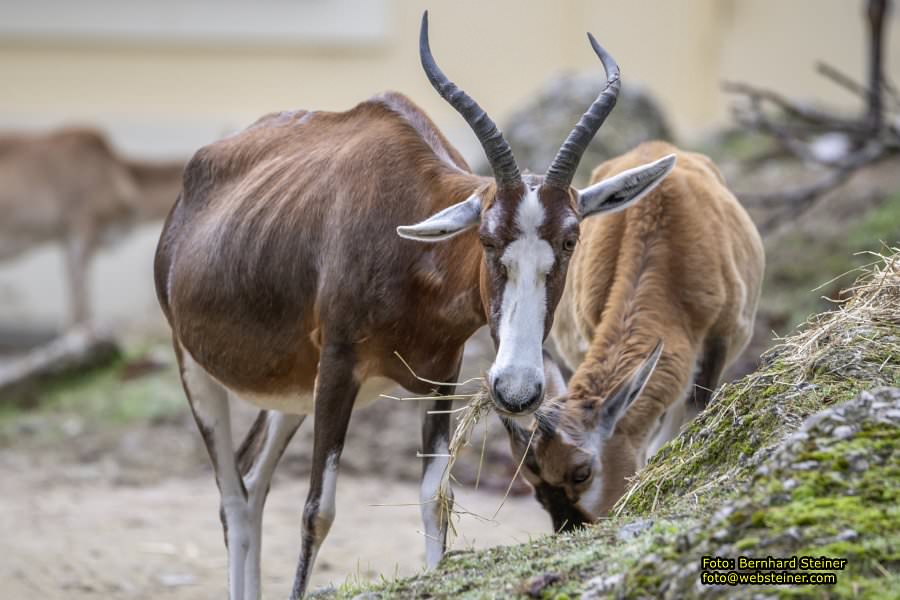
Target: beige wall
(171, 96)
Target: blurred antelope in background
(69, 186)
(660, 299)
(284, 279)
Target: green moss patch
(551, 566)
(832, 489)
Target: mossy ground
(549, 566)
(819, 495)
(730, 484)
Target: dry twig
(797, 127)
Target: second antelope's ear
(621, 191)
(628, 391)
(447, 223)
(554, 382)
(547, 416)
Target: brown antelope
(70, 186)
(285, 282)
(667, 288)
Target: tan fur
(70, 186)
(684, 264)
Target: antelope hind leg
(257, 459)
(209, 404)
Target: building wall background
(169, 93)
(165, 77)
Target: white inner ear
(449, 222)
(621, 191)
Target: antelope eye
(569, 244)
(581, 474)
(489, 245)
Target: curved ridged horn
(497, 149)
(562, 170)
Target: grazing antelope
(667, 288)
(70, 186)
(285, 282)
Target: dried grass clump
(871, 309)
(477, 406)
(467, 417)
(832, 357)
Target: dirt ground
(71, 532)
(97, 509)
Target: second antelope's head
(572, 453)
(528, 227)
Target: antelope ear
(627, 392)
(447, 223)
(621, 191)
(547, 416)
(554, 381)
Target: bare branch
(851, 85)
(796, 201)
(791, 108)
(797, 127)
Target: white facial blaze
(524, 305)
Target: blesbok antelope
(285, 282)
(70, 186)
(660, 299)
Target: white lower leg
(209, 402)
(317, 519)
(252, 571)
(435, 515)
(279, 429)
(238, 533)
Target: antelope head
(528, 228)
(574, 458)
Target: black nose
(564, 513)
(535, 398)
(496, 389)
(569, 522)
(515, 406)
